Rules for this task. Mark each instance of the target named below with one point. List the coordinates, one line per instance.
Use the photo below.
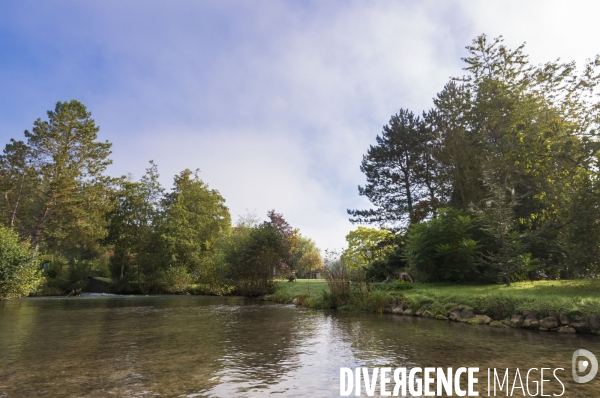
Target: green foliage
(165, 242)
(86, 224)
(377, 301)
(194, 219)
(536, 128)
(442, 248)
(56, 193)
(394, 261)
(364, 247)
(177, 280)
(133, 232)
(307, 258)
(500, 301)
(400, 173)
(66, 197)
(19, 267)
(581, 232)
(496, 217)
(253, 257)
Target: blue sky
(274, 101)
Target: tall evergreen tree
(62, 166)
(401, 173)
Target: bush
(390, 266)
(442, 249)
(338, 280)
(177, 280)
(252, 258)
(377, 301)
(19, 270)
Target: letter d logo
(583, 365)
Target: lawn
(567, 296)
(312, 287)
(566, 289)
(103, 279)
(573, 297)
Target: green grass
(571, 297)
(312, 287)
(565, 288)
(101, 278)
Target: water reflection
(221, 347)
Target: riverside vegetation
(561, 306)
(64, 221)
(490, 200)
(494, 188)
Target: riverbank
(570, 306)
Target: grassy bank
(308, 291)
(573, 298)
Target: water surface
(194, 346)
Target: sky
(274, 101)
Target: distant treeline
(79, 222)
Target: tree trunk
(37, 228)
(13, 215)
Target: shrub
(377, 301)
(252, 258)
(177, 280)
(442, 248)
(403, 285)
(19, 271)
(390, 266)
(338, 280)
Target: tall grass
(338, 280)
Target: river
(195, 346)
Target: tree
(69, 201)
(289, 235)
(15, 180)
(310, 262)
(535, 127)
(392, 263)
(19, 268)
(194, 218)
(496, 216)
(401, 173)
(443, 248)
(364, 247)
(132, 228)
(307, 258)
(459, 149)
(253, 257)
